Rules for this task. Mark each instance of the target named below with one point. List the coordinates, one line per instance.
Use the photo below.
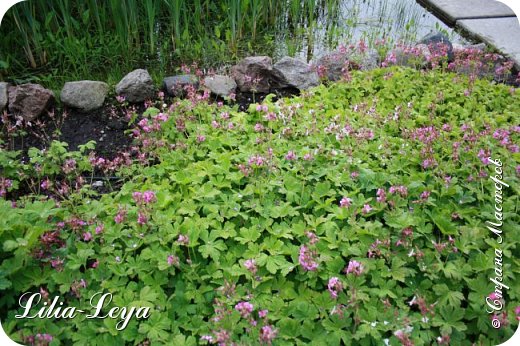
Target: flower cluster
(354, 267)
(244, 308)
(307, 259)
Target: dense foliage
(353, 213)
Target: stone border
(255, 74)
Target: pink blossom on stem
(183, 239)
(87, 236)
(250, 265)
(345, 202)
(354, 267)
(381, 195)
(267, 334)
(172, 260)
(334, 286)
(306, 259)
(290, 156)
(244, 308)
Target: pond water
(348, 21)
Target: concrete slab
(501, 33)
(452, 10)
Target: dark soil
(105, 126)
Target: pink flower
(306, 259)
(95, 264)
(44, 338)
(256, 160)
(201, 138)
(45, 184)
(263, 313)
(493, 296)
(290, 156)
(484, 155)
(100, 228)
(141, 218)
(259, 127)
(69, 166)
(354, 267)
(183, 239)
(366, 209)
(87, 236)
(245, 308)
(172, 260)
(120, 217)
(207, 338)
(334, 286)
(268, 334)
(354, 175)
(149, 197)
(345, 202)
(425, 195)
(307, 157)
(429, 163)
(313, 239)
(270, 116)
(250, 265)
(381, 195)
(400, 189)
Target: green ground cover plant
(353, 214)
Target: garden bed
(350, 214)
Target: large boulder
(333, 65)
(3, 95)
(175, 85)
(296, 73)
(439, 44)
(84, 95)
(220, 85)
(255, 74)
(29, 100)
(137, 86)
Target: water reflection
(306, 35)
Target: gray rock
(137, 86)
(175, 85)
(220, 85)
(333, 63)
(29, 100)
(84, 95)
(436, 41)
(3, 95)
(296, 73)
(255, 74)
